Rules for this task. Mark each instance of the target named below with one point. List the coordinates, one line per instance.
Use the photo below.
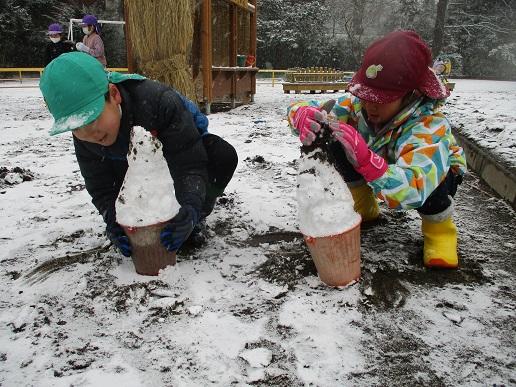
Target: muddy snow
(248, 308)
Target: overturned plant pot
(337, 257)
(149, 255)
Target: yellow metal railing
(273, 73)
(22, 70)
(19, 70)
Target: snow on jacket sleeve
(423, 154)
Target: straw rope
(161, 33)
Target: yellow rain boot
(440, 246)
(365, 202)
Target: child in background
(442, 67)
(100, 111)
(57, 45)
(92, 43)
(439, 66)
(392, 141)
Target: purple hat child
(90, 20)
(54, 29)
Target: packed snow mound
(324, 201)
(147, 195)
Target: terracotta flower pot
(149, 255)
(337, 257)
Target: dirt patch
(386, 288)
(283, 363)
(75, 187)
(401, 255)
(383, 289)
(392, 269)
(226, 201)
(288, 261)
(399, 359)
(13, 176)
(44, 270)
(258, 161)
(224, 227)
(69, 238)
(274, 236)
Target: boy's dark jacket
(53, 50)
(155, 107)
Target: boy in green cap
(100, 108)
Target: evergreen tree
(483, 36)
(292, 33)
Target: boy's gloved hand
(366, 162)
(117, 236)
(80, 46)
(179, 228)
(307, 121)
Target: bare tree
(440, 22)
(494, 17)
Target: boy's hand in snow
(366, 162)
(307, 121)
(117, 236)
(179, 229)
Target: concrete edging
(499, 177)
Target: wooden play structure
(204, 49)
(314, 79)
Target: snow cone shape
(146, 202)
(327, 220)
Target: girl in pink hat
(393, 143)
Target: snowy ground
(485, 111)
(248, 308)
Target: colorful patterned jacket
(417, 144)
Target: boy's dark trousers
(438, 201)
(222, 162)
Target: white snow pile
(257, 357)
(147, 196)
(324, 200)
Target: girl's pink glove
(307, 121)
(366, 162)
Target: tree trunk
(358, 17)
(440, 21)
(357, 30)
